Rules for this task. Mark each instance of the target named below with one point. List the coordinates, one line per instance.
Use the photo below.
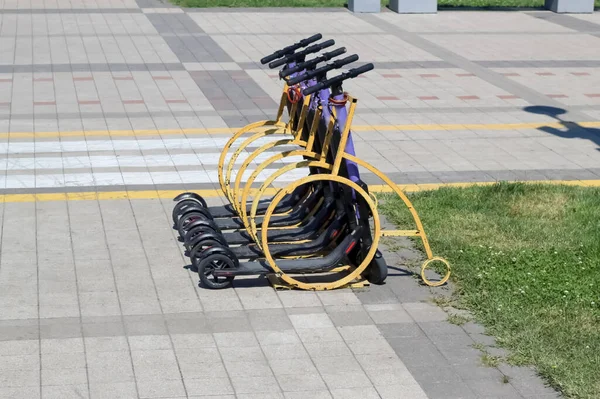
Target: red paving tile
(468, 97)
(580, 73)
(387, 98)
(82, 78)
(44, 103)
(4, 104)
(545, 74)
(133, 101)
(424, 98)
(511, 74)
(593, 95)
(123, 77)
(5, 80)
(507, 97)
(557, 95)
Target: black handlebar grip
(290, 49)
(360, 70)
(311, 63)
(296, 56)
(313, 89)
(319, 71)
(351, 74)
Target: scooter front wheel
(209, 264)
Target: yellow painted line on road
(356, 128)
(213, 193)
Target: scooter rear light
(352, 244)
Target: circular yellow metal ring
(248, 161)
(236, 154)
(427, 264)
(234, 138)
(354, 273)
(402, 196)
(243, 212)
(253, 230)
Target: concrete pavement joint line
(576, 24)
(483, 73)
(357, 128)
(213, 193)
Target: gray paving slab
(119, 315)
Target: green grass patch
(526, 263)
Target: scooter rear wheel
(377, 270)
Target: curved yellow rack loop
(221, 166)
(444, 279)
(234, 157)
(236, 202)
(356, 272)
(419, 232)
(283, 127)
(253, 230)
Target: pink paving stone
(462, 75)
(468, 97)
(507, 97)
(5, 80)
(429, 75)
(89, 102)
(82, 78)
(510, 74)
(387, 98)
(580, 73)
(133, 101)
(593, 95)
(4, 104)
(545, 74)
(176, 101)
(424, 98)
(391, 75)
(44, 103)
(557, 95)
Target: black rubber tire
(203, 245)
(208, 264)
(180, 207)
(195, 231)
(377, 270)
(189, 217)
(190, 195)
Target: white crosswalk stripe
(91, 163)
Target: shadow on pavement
(573, 129)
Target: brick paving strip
(108, 105)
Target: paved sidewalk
(115, 95)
